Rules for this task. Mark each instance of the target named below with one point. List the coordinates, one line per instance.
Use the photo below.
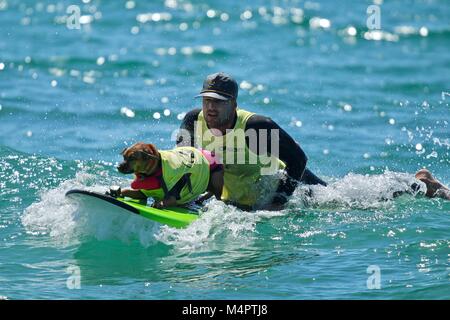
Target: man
(215, 127)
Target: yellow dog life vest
(185, 165)
(244, 171)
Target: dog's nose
(122, 168)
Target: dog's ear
(151, 151)
(147, 155)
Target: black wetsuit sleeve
(185, 137)
(289, 151)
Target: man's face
(218, 113)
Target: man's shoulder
(193, 113)
(257, 121)
(188, 124)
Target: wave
(358, 191)
(117, 113)
(57, 217)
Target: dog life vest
(245, 173)
(185, 175)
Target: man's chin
(213, 123)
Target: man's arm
(288, 150)
(185, 137)
(290, 153)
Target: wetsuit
(289, 152)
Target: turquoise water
(369, 109)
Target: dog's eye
(131, 158)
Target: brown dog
(144, 160)
(140, 158)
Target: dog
(144, 160)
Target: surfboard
(174, 217)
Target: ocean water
(369, 107)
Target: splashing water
(356, 191)
(63, 220)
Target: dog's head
(140, 158)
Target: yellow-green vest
(243, 169)
(180, 163)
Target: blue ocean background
(369, 107)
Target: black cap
(219, 86)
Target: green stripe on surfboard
(174, 217)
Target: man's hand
(168, 202)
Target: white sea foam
(357, 191)
(65, 222)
